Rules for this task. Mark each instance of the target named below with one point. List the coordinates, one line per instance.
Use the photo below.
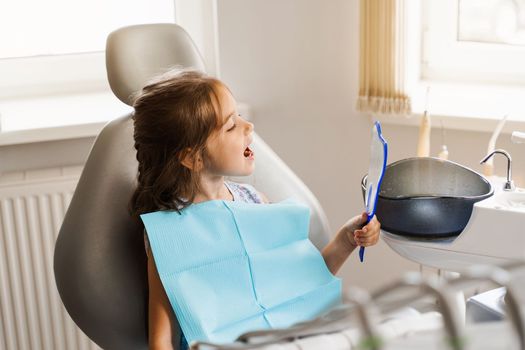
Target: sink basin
(494, 235)
(428, 197)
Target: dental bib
(229, 267)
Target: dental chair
(99, 260)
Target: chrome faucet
(509, 185)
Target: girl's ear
(190, 160)
(186, 158)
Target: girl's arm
(337, 251)
(351, 235)
(159, 311)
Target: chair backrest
(99, 260)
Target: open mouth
(248, 153)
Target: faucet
(509, 185)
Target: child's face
(228, 148)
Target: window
(52, 63)
(474, 41)
(57, 46)
(470, 54)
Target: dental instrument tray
(428, 197)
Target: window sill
(56, 133)
(57, 117)
(465, 107)
(453, 122)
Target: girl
(189, 137)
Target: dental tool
(423, 142)
(428, 286)
(488, 167)
(502, 278)
(444, 150)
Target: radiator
(32, 207)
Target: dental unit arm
(502, 278)
(410, 288)
(427, 286)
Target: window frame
(466, 62)
(26, 91)
(27, 77)
(452, 103)
(36, 76)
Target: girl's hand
(358, 235)
(349, 236)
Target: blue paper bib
(229, 267)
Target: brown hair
(174, 116)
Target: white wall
(296, 63)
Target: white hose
(518, 137)
(488, 167)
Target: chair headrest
(135, 54)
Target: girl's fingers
(366, 233)
(365, 242)
(372, 227)
(363, 238)
(369, 234)
(360, 220)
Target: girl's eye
(233, 127)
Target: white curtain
(382, 57)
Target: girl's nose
(249, 126)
